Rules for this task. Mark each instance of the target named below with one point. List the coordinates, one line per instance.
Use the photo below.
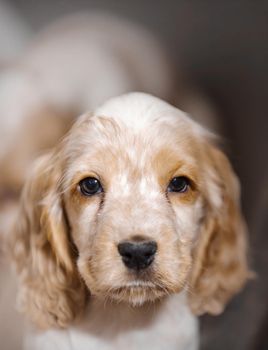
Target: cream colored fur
(65, 244)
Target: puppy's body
(168, 324)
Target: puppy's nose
(137, 255)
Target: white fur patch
(137, 110)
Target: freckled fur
(134, 144)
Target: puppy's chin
(136, 293)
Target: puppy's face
(134, 203)
(151, 206)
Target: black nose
(137, 255)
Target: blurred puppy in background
(71, 67)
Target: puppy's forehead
(145, 118)
(138, 110)
(136, 127)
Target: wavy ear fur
(51, 291)
(220, 259)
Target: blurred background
(220, 49)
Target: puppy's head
(136, 203)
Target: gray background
(222, 46)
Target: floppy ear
(220, 266)
(51, 291)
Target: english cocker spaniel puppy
(129, 228)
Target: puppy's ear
(50, 290)
(220, 267)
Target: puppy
(129, 228)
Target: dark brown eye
(179, 184)
(90, 186)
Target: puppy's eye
(179, 184)
(90, 186)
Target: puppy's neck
(113, 312)
(170, 316)
(167, 324)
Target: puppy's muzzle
(137, 255)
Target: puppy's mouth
(138, 292)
